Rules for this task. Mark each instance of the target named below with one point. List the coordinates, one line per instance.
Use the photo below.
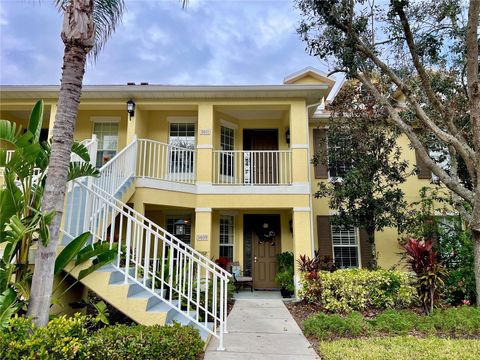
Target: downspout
(312, 235)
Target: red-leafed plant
(222, 262)
(423, 260)
(315, 264)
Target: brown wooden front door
(264, 162)
(264, 249)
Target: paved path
(261, 329)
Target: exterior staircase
(156, 278)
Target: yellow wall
(84, 124)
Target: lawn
(401, 348)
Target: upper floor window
(227, 144)
(182, 136)
(345, 246)
(226, 236)
(107, 135)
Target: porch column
(139, 207)
(203, 231)
(302, 237)
(53, 113)
(299, 142)
(204, 144)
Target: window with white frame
(182, 137)
(107, 135)
(345, 246)
(226, 236)
(227, 144)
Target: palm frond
(107, 14)
(79, 169)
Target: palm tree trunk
(53, 199)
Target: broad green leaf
(9, 132)
(70, 251)
(8, 306)
(101, 260)
(91, 251)
(81, 151)
(35, 121)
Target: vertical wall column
(204, 144)
(51, 122)
(302, 235)
(135, 126)
(203, 231)
(299, 142)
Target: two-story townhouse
(226, 169)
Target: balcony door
(181, 150)
(260, 165)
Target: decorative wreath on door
(267, 234)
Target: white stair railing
(148, 255)
(119, 170)
(252, 167)
(165, 162)
(159, 262)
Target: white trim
(228, 124)
(203, 210)
(105, 119)
(207, 188)
(301, 209)
(205, 146)
(182, 119)
(299, 146)
(357, 245)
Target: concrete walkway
(261, 329)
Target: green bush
(330, 326)
(144, 342)
(63, 338)
(358, 289)
(400, 348)
(453, 322)
(74, 338)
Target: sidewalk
(261, 329)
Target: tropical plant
(315, 264)
(285, 273)
(427, 56)
(423, 260)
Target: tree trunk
(371, 239)
(53, 199)
(475, 227)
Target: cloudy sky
(211, 42)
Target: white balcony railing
(166, 162)
(245, 167)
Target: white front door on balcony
(261, 165)
(181, 150)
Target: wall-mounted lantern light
(180, 226)
(287, 136)
(131, 108)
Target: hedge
(77, 338)
(349, 290)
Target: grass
(401, 348)
(458, 322)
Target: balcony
(248, 167)
(240, 168)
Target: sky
(212, 42)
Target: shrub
(144, 342)
(423, 261)
(325, 326)
(315, 264)
(358, 289)
(62, 338)
(463, 321)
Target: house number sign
(205, 131)
(202, 237)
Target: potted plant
(285, 274)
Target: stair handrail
(121, 167)
(159, 229)
(195, 273)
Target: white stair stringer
(156, 278)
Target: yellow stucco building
(226, 169)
